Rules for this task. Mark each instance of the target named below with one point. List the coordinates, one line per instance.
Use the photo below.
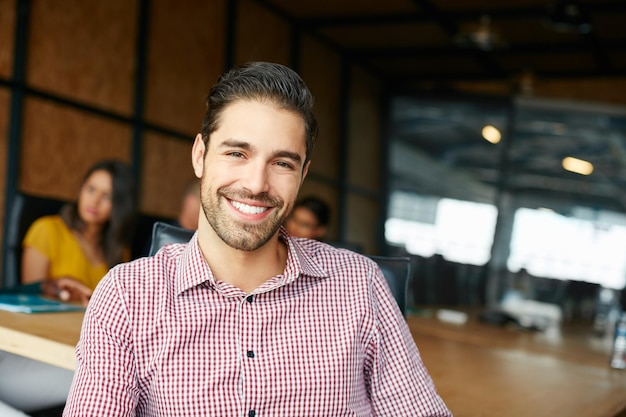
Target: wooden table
(47, 337)
(482, 370)
(479, 370)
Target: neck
(246, 270)
(92, 233)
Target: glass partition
(481, 191)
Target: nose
(256, 178)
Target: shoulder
(52, 222)
(46, 227)
(338, 263)
(150, 267)
(149, 277)
(325, 252)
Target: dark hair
(118, 231)
(261, 81)
(317, 206)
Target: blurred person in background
(68, 254)
(190, 206)
(309, 219)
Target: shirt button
(251, 413)
(250, 298)
(250, 354)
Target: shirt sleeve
(398, 381)
(104, 381)
(41, 235)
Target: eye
(284, 164)
(235, 154)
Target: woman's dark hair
(118, 231)
(267, 82)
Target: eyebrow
(233, 143)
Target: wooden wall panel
(59, 144)
(185, 58)
(362, 223)
(320, 69)
(166, 171)
(7, 31)
(84, 50)
(261, 35)
(364, 144)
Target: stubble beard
(239, 235)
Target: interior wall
(606, 90)
(7, 29)
(91, 94)
(365, 154)
(185, 56)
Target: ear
(197, 155)
(305, 171)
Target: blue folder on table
(33, 303)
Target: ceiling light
(578, 166)
(481, 36)
(491, 134)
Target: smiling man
(243, 320)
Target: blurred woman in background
(68, 254)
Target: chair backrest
(164, 233)
(395, 269)
(22, 213)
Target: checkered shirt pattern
(162, 337)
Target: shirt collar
(192, 270)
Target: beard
(236, 234)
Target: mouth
(248, 209)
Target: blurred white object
(8, 411)
(452, 316)
(533, 314)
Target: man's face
(251, 173)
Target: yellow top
(51, 236)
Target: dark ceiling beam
(451, 28)
(447, 24)
(355, 19)
(615, 45)
(463, 75)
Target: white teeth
(244, 208)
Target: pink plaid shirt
(162, 337)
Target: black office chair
(22, 213)
(164, 233)
(396, 270)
